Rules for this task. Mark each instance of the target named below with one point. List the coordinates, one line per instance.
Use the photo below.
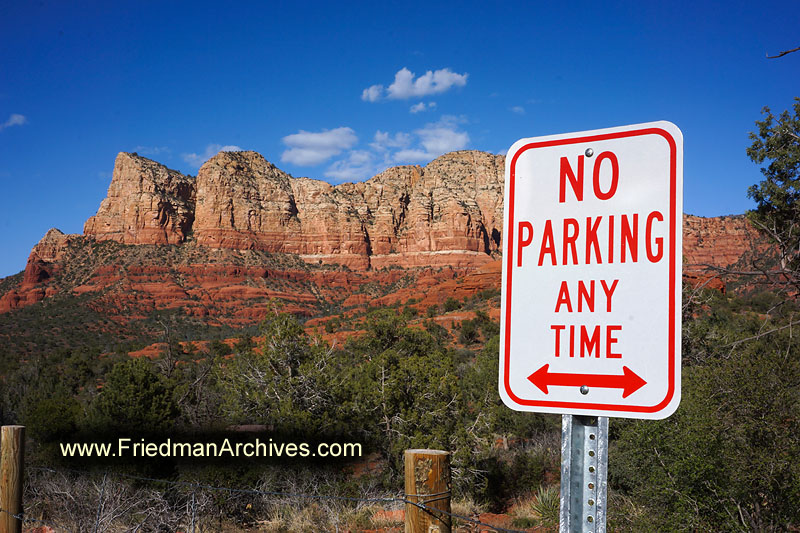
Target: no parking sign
(591, 300)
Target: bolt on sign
(591, 299)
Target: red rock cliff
(719, 241)
(447, 213)
(147, 203)
(43, 263)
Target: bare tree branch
(783, 53)
(762, 334)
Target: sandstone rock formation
(245, 202)
(715, 246)
(52, 246)
(719, 241)
(147, 203)
(43, 263)
(447, 213)
(49, 250)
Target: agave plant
(546, 504)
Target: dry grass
(467, 506)
(315, 518)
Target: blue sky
(340, 91)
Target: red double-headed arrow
(629, 382)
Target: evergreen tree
(135, 397)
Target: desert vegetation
(724, 461)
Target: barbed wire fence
(149, 510)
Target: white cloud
(196, 160)
(385, 150)
(14, 120)
(441, 137)
(405, 86)
(411, 156)
(439, 81)
(372, 93)
(309, 148)
(384, 141)
(435, 139)
(364, 164)
(422, 106)
(518, 109)
(359, 165)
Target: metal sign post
(584, 474)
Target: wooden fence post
(12, 452)
(427, 476)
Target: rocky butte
(446, 214)
(147, 203)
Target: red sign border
(672, 274)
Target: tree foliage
(135, 397)
(726, 460)
(776, 144)
(282, 383)
(404, 382)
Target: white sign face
(591, 300)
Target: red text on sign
(585, 341)
(575, 179)
(598, 240)
(585, 296)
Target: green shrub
(451, 304)
(135, 397)
(726, 460)
(469, 332)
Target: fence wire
(438, 513)
(21, 517)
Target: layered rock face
(245, 202)
(447, 213)
(719, 241)
(711, 244)
(43, 263)
(52, 246)
(147, 203)
(44, 255)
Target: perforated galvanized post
(584, 474)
